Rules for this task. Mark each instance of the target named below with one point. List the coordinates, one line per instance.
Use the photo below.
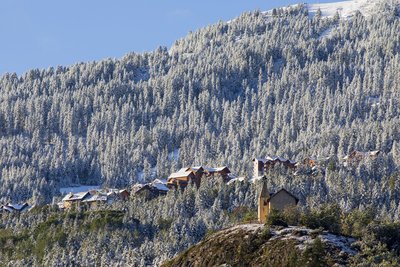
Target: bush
(291, 215)
(328, 217)
(266, 233)
(275, 217)
(243, 214)
(354, 223)
(387, 234)
(314, 255)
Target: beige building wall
(262, 210)
(258, 169)
(67, 204)
(282, 200)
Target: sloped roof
(123, 190)
(163, 181)
(274, 158)
(14, 207)
(374, 152)
(217, 169)
(76, 196)
(137, 187)
(182, 170)
(180, 174)
(160, 185)
(96, 197)
(8, 208)
(17, 206)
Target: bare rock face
(259, 245)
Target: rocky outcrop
(257, 245)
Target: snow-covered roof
(182, 170)
(78, 188)
(14, 207)
(274, 158)
(96, 197)
(9, 209)
(218, 169)
(17, 206)
(162, 181)
(137, 187)
(161, 187)
(180, 174)
(196, 168)
(76, 196)
(374, 153)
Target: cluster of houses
(154, 189)
(282, 198)
(194, 175)
(309, 164)
(263, 165)
(93, 198)
(11, 208)
(356, 157)
(181, 179)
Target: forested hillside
(147, 233)
(260, 84)
(282, 82)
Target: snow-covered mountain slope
(346, 9)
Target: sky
(44, 33)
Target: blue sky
(43, 33)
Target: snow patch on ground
(253, 227)
(238, 179)
(141, 177)
(174, 155)
(255, 179)
(327, 33)
(78, 188)
(304, 237)
(341, 242)
(346, 9)
(374, 101)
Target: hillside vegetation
(325, 241)
(148, 233)
(254, 86)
